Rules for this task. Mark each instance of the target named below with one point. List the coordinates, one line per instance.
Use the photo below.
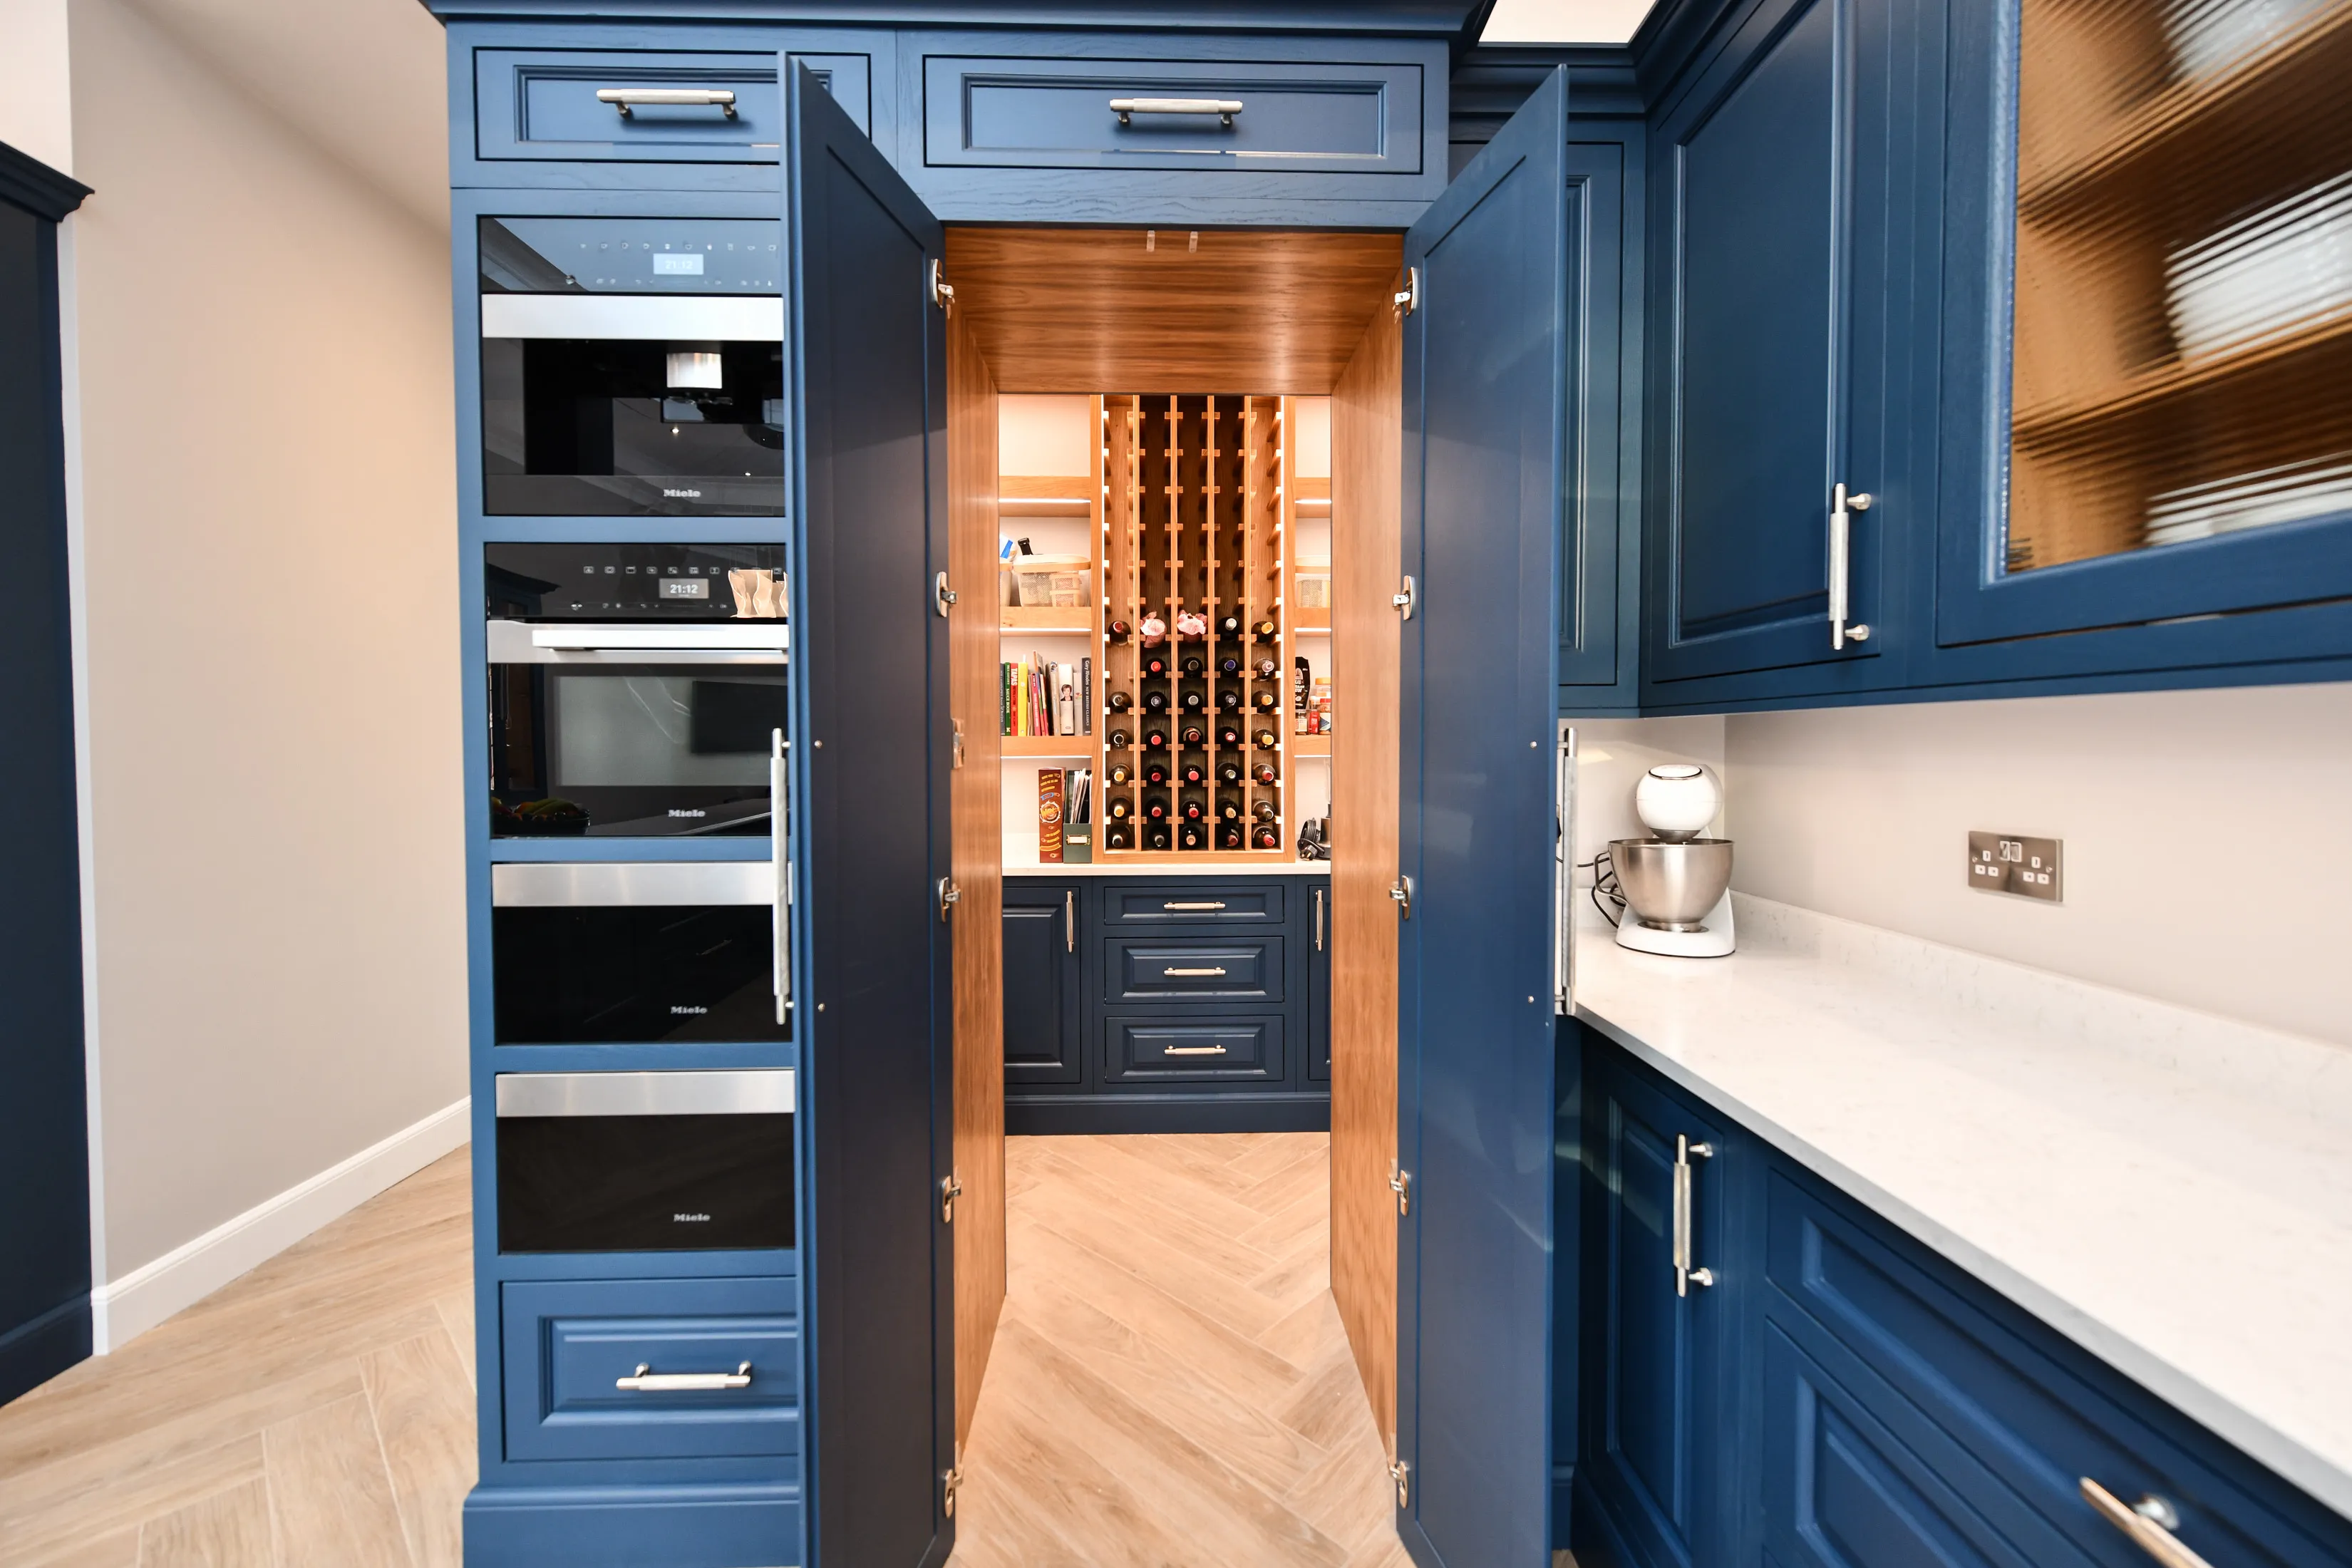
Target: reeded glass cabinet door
(2178, 439)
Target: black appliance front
(644, 1162)
(668, 953)
(632, 367)
(635, 691)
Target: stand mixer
(1676, 886)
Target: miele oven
(636, 690)
(644, 1162)
(632, 367)
(640, 953)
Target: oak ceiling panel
(1140, 311)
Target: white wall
(36, 108)
(266, 536)
(2208, 834)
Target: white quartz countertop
(2169, 1189)
(1174, 869)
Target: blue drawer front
(1164, 969)
(1194, 1051)
(1918, 1352)
(538, 103)
(1187, 901)
(566, 1344)
(1296, 117)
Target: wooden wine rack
(1192, 521)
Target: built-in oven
(644, 1162)
(640, 953)
(636, 690)
(632, 367)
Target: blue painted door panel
(1659, 1366)
(867, 362)
(1042, 113)
(565, 1343)
(1044, 1006)
(542, 104)
(1486, 411)
(1783, 354)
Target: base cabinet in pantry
(1185, 1004)
(1834, 1395)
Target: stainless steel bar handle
(1842, 505)
(1687, 1276)
(645, 1380)
(624, 98)
(1224, 108)
(780, 860)
(1563, 976)
(1213, 904)
(1194, 1051)
(1069, 921)
(1318, 920)
(1187, 973)
(2151, 1522)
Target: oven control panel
(635, 582)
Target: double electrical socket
(2008, 863)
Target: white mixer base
(1714, 941)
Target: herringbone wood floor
(1171, 1386)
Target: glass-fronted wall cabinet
(2176, 440)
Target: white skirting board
(123, 1308)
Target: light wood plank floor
(317, 1411)
(1171, 1384)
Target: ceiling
(1131, 309)
(1563, 21)
(365, 80)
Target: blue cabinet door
(1657, 1468)
(1485, 413)
(1785, 352)
(1044, 1004)
(866, 367)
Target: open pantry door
(866, 378)
(1485, 473)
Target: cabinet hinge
(1406, 600)
(943, 291)
(1400, 1183)
(1401, 1472)
(1408, 299)
(951, 1189)
(943, 594)
(1402, 891)
(950, 896)
(949, 1480)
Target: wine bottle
(1264, 811)
(1227, 735)
(1158, 838)
(1227, 837)
(1266, 739)
(1264, 774)
(1120, 701)
(1192, 737)
(1194, 811)
(1229, 626)
(1193, 700)
(1121, 773)
(1265, 670)
(1120, 808)
(1229, 808)
(1267, 838)
(1193, 772)
(1230, 700)
(1155, 664)
(1119, 838)
(1155, 771)
(1119, 740)
(1156, 739)
(1118, 631)
(1228, 774)
(1193, 665)
(1155, 701)
(1189, 837)
(1263, 631)
(1265, 701)
(1155, 806)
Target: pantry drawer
(1220, 1050)
(1294, 116)
(1168, 968)
(567, 1345)
(1169, 903)
(542, 104)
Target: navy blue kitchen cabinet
(1164, 1005)
(1793, 168)
(1172, 129)
(1839, 1396)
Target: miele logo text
(683, 495)
(679, 1010)
(690, 1218)
(676, 812)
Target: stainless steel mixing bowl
(1671, 884)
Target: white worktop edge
(1183, 869)
(2058, 1006)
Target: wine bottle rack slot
(1195, 730)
